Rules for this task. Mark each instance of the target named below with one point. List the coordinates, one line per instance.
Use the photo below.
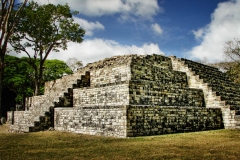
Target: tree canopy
(43, 29)
(19, 75)
(55, 69)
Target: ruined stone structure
(134, 95)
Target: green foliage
(234, 72)
(54, 69)
(232, 69)
(43, 29)
(19, 75)
(46, 27)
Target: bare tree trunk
(1, 80)
(38, 77)
(36, 91)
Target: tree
(19, 75)
(43, 29)
(74, 64)
(9, 19)
(55, 69)
(234, 72)
(223, 66)
(232, 50)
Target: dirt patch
(4, 128)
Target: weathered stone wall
(155, 120)
(95, 120)
(153, 82)
(131, 121)
(110, 76)
(21, 119)
(108, 86)
(156, 93)
(152, 60)
(165, 76)
(101, 96)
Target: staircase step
(65, 94)
(75, 86)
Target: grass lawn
(217, 144)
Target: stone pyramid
(134, 95)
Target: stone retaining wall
(21, 119)
(156, 93)
(132, 121)
(156, 120)
(112, 75)
(98, 120)
(108, 95)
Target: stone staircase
(41, 116)
(44, 122)
(219, 91)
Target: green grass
(217, 144)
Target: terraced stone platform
(134, 95)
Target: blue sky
(193, 29)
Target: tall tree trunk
(36, 88)
(40, 78)
(1, 82)
(36, 91)
(1, 79)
